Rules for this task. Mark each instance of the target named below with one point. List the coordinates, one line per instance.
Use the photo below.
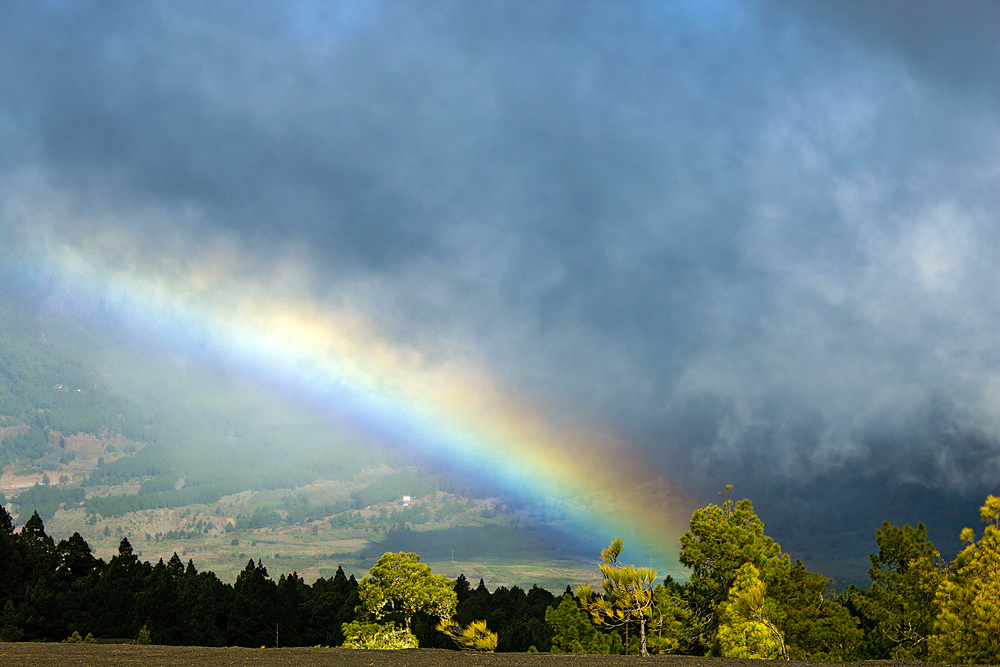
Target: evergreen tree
(967, 629)
(523, 633)
(10, 622)
(815, 624)
(572, 631)
(38, 548)
(12, 561)
(207, 603)
(39, 614)
(474, 637)
(897, 609)
(478, 603)
(748, 629)
(254, 616)
(628, 594)
(462, 588)
(74, 559)
(331, 606)
(158, 604)
(720, 540)
(114, 596)
(293, 595)
(671, 620)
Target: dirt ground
(89, 655)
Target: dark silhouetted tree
(254, 615)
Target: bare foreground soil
(117, 655)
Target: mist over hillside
(101, 430)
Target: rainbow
(436, 406)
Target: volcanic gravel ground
(89, 655)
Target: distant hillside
(172, 420)
(54, 381)
(104, 434)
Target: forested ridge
(744, 599)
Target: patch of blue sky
(320, 21)
(699, 15)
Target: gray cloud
(739, 234)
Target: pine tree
(967, 629)
(897, 610)
(473, 637)
(628, 594)
(12, 561)
(748, 629)
(255, 607)
(720, 540)
(572, 631)
(816, 625)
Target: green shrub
(377, 636)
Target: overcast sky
(757, 237)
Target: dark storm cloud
(753, 237)
(952, 44)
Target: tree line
(744, 598)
